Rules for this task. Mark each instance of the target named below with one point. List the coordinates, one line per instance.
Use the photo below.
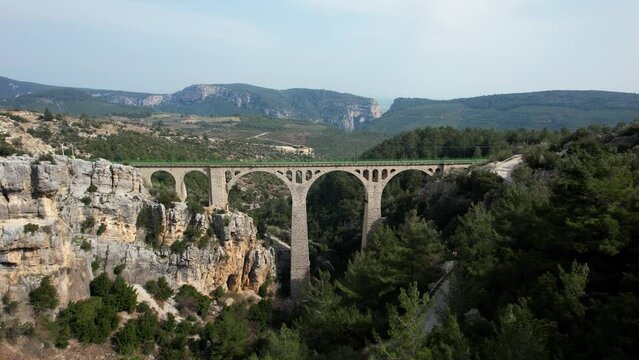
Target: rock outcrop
(51, 215)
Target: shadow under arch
(197, 187)
(335, 212)
(402, 192)
(164, 179)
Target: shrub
(95, 264)
(152, 222)
(44, 297)
(188, 299)
(118, 269)
(90, 321)
(87, 224)
(92, 188)
(124, 296)
(82, 242)
(101, 285)
(101, 229)
(10, 306)
(126, 340)
(179, 246)
(47, 116)
(263, 289)
(164, 196)
(46, 157)
(194, 206)
(218, 293)
(30, 228)
(160, 289)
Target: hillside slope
(536, 110)
(341, 110)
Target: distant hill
(329, 107)
(535, 110)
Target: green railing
(222, 163)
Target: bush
(47, 116)
(101, 285)
(86, 200)
(118, 269)
(95, 264)
(10, 306)
(101, 229)
(46, 157)
(160, 289)
(194, 206)
(152, 222)
(179, 246)
(82, 242)
(124, 296)
(30, 228)
(87, 224)
(263, 289)
(44, 297)
(188, 299)
(126, 340)
(218, 293)
(164, 196)
(90, 321)
(92, 188)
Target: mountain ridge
(552, 109)
(342, 110)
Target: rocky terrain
(70, 219)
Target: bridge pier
(300, 262)
(372, 210)
(218, 193)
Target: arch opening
(197, 190)
(335, 210)
(401, 193)
(163, 188)
(266, 198)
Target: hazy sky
(380, 48)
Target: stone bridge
(299, 176)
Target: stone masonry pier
(299, 177)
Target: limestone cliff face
(60, 197)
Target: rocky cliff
(71, 219)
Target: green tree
(48, 115)
(101, 285)
(447, 341)
(521, 336)
(286, 344)
(228, 335)
(126, 340)
(44, 297)
(420, 251)
(406, 334)
(325, 319)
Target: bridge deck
(328, 163)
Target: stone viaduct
(299, 176)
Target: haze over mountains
(534, 110)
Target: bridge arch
(197, 187)
(335, 202)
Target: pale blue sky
(381, 48)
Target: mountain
(329, 107)
(534, 110)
